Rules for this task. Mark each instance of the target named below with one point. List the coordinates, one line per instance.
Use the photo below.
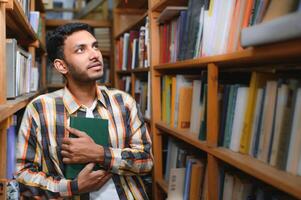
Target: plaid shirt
(39, 160)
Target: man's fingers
(89, 167)
(65, 147)
(66, 141)
(76, 132)
(98, 173)
(65, 154)
(103, 180)
(67, 160)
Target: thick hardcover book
(97, 129)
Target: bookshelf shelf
(261, 170)
(163, 185)
(132, 4)
(134, 25)
(12, 106)
(17, 24)
(39, 5)
(182, 134)
(123, 72)
(53, 23)
(105, 53)
(141, 70)
(158, 7)
(285, 52)
(135, 71)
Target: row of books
(142, 96)
(125, 84)
(184, 103)
(102, 35)
(239, 186)
(207, 28)
(185, 174)
(36, 22)
(262, 119)
(133, 49)
(25, 5)
(22, 75)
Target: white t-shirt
(108, 190)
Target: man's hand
(89, 180)
(81, 149)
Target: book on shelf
(102, 35)
(97, 129)
(261, 120)
(19, 70)
(276, 30)
(237, 185)
(11, 147)
(133, 49)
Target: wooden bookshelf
(142, 4)
(132, 26)
(285, 52)
(160, 5)
(163, 185)
(17, 24)
(12, 106)
(262, 171)
(181, 134)
(284, 56)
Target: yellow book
(185, 102)
(163, 100)
(258, 80)
(173, 100)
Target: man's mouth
(95, 64)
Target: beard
(83, 76)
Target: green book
(97, 129)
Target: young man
(44, 146)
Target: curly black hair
(55, 40)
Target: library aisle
(218, 84)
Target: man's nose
(94, 53)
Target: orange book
(197, 176)
(233, 26)
(185, 101)
(246, 19)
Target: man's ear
(60, 66)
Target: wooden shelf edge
(163, 185)
(12, 106)
(158, 7)
(141, 70)
(17, 21)
(132, 25)
(262, 171)
(39, 6)
(53, 23)
(137, 70)
(182, 134)
(131, 4)
(124, 72)
(253, 55)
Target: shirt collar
(72, 104)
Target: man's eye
(96, 47)
(79, 50)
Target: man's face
(83, 57)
